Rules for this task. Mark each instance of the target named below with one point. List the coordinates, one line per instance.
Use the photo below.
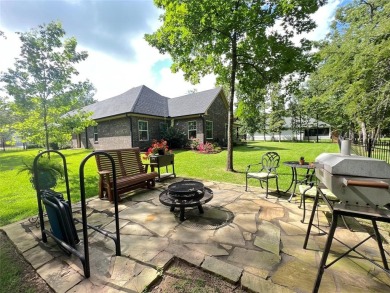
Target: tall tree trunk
(46, 128)
(364, 131)
(229, 163)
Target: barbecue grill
(355, 180)
(362, 186)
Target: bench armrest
(104, 172)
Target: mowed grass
(18, 198)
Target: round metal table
(294, 165)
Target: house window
(143, 130)
(191, 129)
(209, 129)
(95, 134)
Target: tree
(352, 83)
(277, 101)
(251, 111)
(6, 119)
(41, 83)
(241, 41)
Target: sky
(112, 32)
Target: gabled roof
(140, 100)
(143, 100)
(196, 103)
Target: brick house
(136, 117)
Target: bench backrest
(127, 162)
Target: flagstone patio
(242, 237)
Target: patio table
(295, 177)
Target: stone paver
(222, 268)
(257, 284)
(257, 244)
(254, 258)
(268, 237)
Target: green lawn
(18, 198)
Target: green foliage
(6, 119)
(352, 84)
(43, 164)
(276, 121)
(49, 170)
(236, 41)
(41, 84)
(175, 137)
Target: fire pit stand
(185, 194)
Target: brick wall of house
(116, 133)
(154, 128)
(182, 125)
(218, 114)
(113, 134)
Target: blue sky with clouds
(112, 32)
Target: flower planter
(157, 161)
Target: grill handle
(365, 183)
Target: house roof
(143, 100)
(309, 121)
(196, 103)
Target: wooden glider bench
(130, 172)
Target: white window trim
(212, 129)
(188, 124)
(141, 130)
(95, 134)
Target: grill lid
(356, 166)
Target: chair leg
(277, 185)
(246, 183)
(303, 200)
(266, 190)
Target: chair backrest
(270, 161)
(127, 162)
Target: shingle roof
(143, 100)
(196, 103)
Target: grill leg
(380, 246)
(313, 211)
(322, 266)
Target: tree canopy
(351, 88)
(42, 84)
(240, 41)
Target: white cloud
(323, 18)
(113, 75)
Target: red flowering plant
(157, 148)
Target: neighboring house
(136, 117)
(308, 133)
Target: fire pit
(184, 194)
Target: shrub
(175, 138)
(208, 148)
(194, 143)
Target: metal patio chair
(265, 170)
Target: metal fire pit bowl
(186, 190)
